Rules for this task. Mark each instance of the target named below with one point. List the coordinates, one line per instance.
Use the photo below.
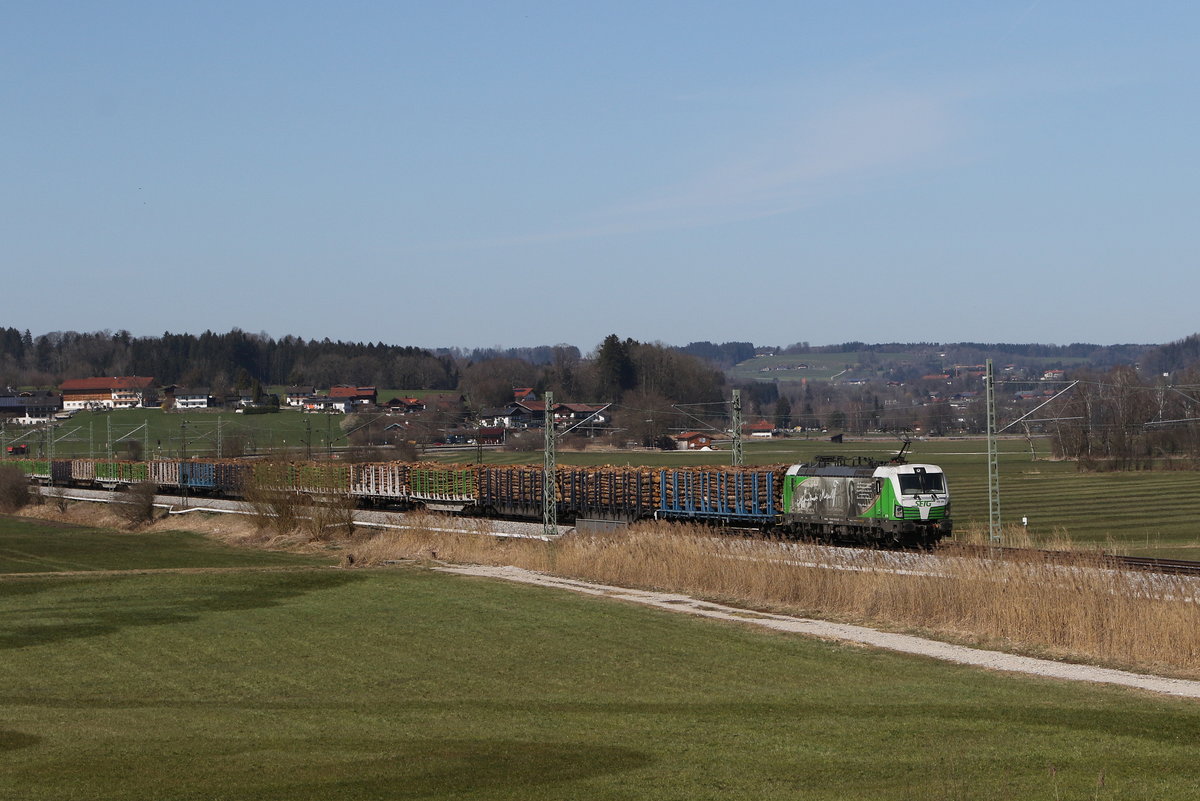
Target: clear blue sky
(518, 173)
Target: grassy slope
(33, 546)
(408, 684)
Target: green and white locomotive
(905, 504)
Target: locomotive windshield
(921, 483)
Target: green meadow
(192, 433)
(402, 683)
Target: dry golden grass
(1017, 536)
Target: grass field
(32, 546)
(403, 683)
(860, 364)
(786, 368)
(194, 432)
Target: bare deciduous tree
(14, 489)
(136, 505)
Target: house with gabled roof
(178, 397)
(358, 396)
(324, 404)
(762, 428)
(294, 396)
(29, 408)
(405, 405)
(532, 414)
(117, 392)
(693, 440)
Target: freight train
(865, 502)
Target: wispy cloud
(820, 153)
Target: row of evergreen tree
(236, 358)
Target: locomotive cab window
(921, 483)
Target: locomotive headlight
(899, 511)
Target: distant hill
(859, 361)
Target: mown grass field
(194, 432)
(33, 546)
(859, 364)
(786, 368)
(404, 683)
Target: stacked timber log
(508, 485)
(625, 491)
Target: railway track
(1176, 566)
(1180, 567)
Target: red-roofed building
(693, 440)
(118, 392)
(405, 405)
(763, 428)
(358, 396)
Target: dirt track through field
(904, 643)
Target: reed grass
(1082, 607)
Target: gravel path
(903, 643)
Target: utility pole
(50, 451)
(994, 530)
(108, 438)
(738, 456)
(549, 484)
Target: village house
(475, 436)
(178, 397)
(693, 440)
(118, 392)
(763, 428)
(528, 414)
(324, 404)
(582, 418)
(295, 396)
(405, 405)
(498, 417)
(532, 414)
(29, 408)
(359, 397)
